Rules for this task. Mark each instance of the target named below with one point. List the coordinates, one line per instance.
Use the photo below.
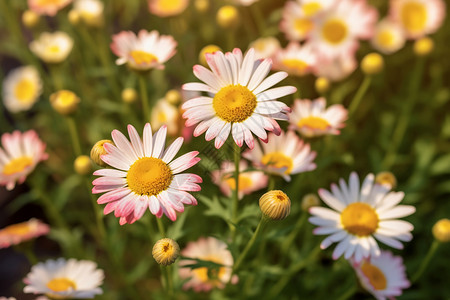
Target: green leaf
(441, 165)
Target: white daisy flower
(145, 51)
(336, 68)
(165, 113)
(144, 176)
(265, 47)
(52, 47)
(389, 37)
(245, 2)
(22, 152)
(359, 216)
(311, 118)
(64, 279)
(167, 8)
(283, 155)
(418, 17)
(240, 100)
(21, 89)
(295, 59)
(337, 31)
(49, 8)
(90, 11)
(383, 276)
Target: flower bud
(74, 17)
(386, 178)
(166, 251)
(98, 150)
(275, 205)
(207, 49)
(173, 97)
(372, 63)
(423, 46)
(228, 17)
(30, 19)
(64, 102)
(201, 5)
(129, 95)
(82, 165)
(441, 230)
(310, 200)
(322, 85)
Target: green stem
(27, 249)
(426, 261)
(104, 55)
(259, 18)
(350, 292)
(50, 210)
(235, 200)
(97, 211)
(162, 232)
(169, 281)
(294, 233)
(57, 77)
(74, 135)
(271, 185)
(294, 269)
(249, 245)
(359, 94)
(144, 98)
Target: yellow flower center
(303, 25)
(149, 176)
(414, 16)
(334, 31)
(17, 165)
(359, 219)
(278, 160)
(66, 98)
(142, 57)
(234, 103)
(299, 66)
(313, 122)
(385, 38)
(310, 9)
(375, 276)
(244, 182)
(205, 274)
(53, 49)
(169, 5)
(16, 229)
(25, 91)
(48, 2)
(161, 117)
(61, 285)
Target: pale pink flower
(167, 8)
(295, 59)
(20, 232)
(47, 7)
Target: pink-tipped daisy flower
(20, 232)
(45, 7)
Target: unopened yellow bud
(173, 97)
(30, 18)
(129, 95)
(310, 200)
(201, 5)
(64, 102)
(322, 85)
(98, 150)
(423, 46)
(372, 63)
(166, 251)
(441, 230)
(82, 165)
(228, 17)
(386, 178)
(74, 17)
(275, 205)
(207, 49)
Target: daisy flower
(283, 155)
(240, 99)
(418, 17)
(19, 156)
(52, 47)
(389, 37)
(167, 8)
(49, 8)
(295, 59)
(336, 68)
(265, 47)
(245, 2)
(165, 113)
(338, 30)
(359, 216)
(299, 17)
(383, 276)
(311, 118)
(204, 279)
(144, 175)
(249, 181)
(64, 279)
(21, 89)
(145, 51)
(90, 11)
(17, 233)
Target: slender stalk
(74, 135)
(27, 249)
(259, 18)
(287, 243)
(162, 232)
(426, 261)
(250, 244)
(169, 281)
(359, 94)
(235, 200)
(97, 212)
(144, 97)
(56, 76)
(271, 185)
(50, 210)
(349, 293)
